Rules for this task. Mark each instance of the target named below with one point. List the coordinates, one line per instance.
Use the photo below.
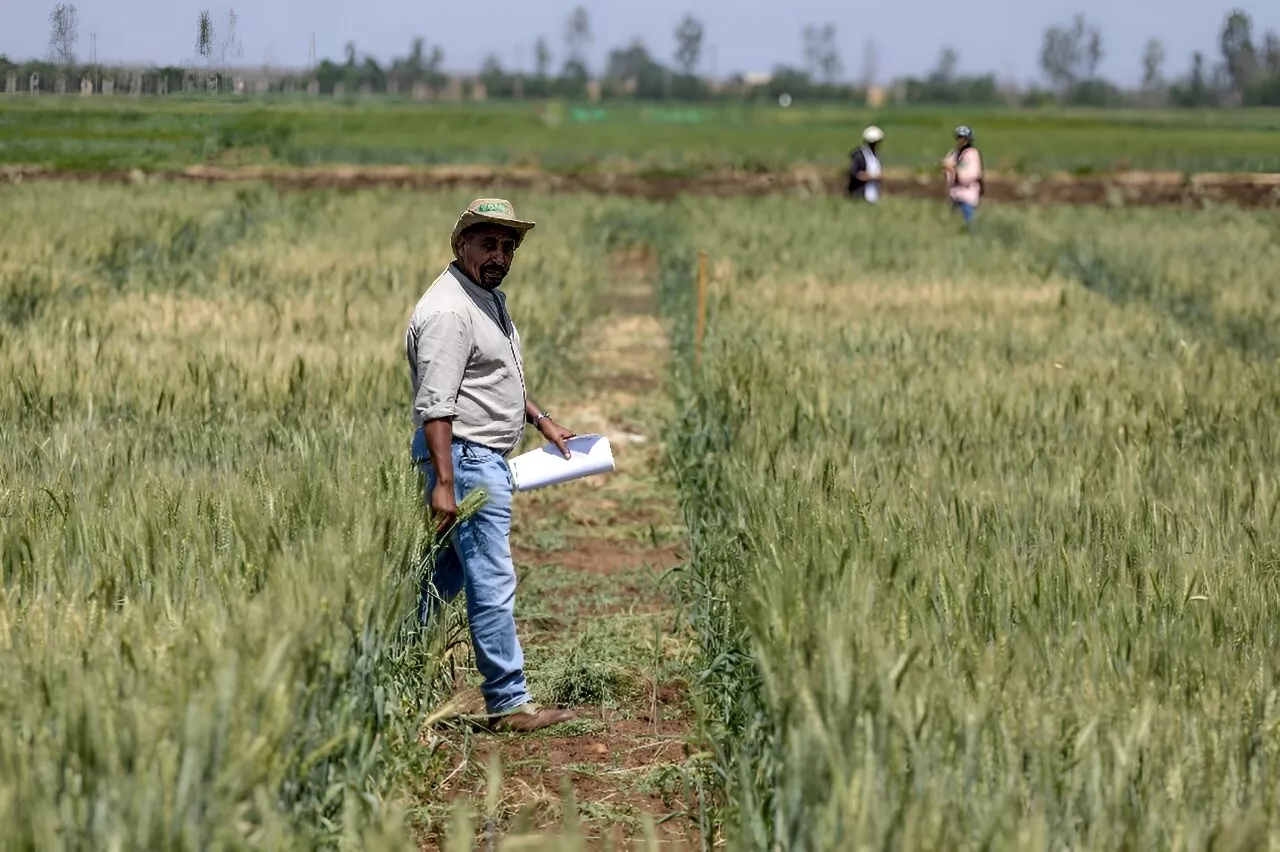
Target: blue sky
(1000, 36)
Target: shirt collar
(492, 303)
(476, 291)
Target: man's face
(961, 141)
(486, 253)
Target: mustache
(493, 268)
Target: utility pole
(311, 57)
(93, 60)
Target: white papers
(871, 192)
(588, 455)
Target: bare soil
(1257, 190)
(597, 556)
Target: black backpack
(857, 163)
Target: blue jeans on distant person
(478, 561)
(966, 210)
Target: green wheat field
(211, 528)
(983, 537)
(73, 133)
(985, 529)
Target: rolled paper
(588, 455)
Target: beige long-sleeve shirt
(465, 362)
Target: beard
(492, 274)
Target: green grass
(122, 133)
(984, 529)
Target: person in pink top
(963, 169)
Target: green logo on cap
(494, 207)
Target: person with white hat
(470, 407)
(864, 166)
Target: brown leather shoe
(529, 718)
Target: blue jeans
(966, 210)
(478, 561)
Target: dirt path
(1117, 189)
(598, 625)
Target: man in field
(470, 407)
(864, 166)
(963, 170)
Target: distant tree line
(1246, 73)
(1246, 70)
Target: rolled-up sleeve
(443, 346)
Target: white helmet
(872, 134)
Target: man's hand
(444, 505)
(556, 434)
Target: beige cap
(494, 211)
(872, 134)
